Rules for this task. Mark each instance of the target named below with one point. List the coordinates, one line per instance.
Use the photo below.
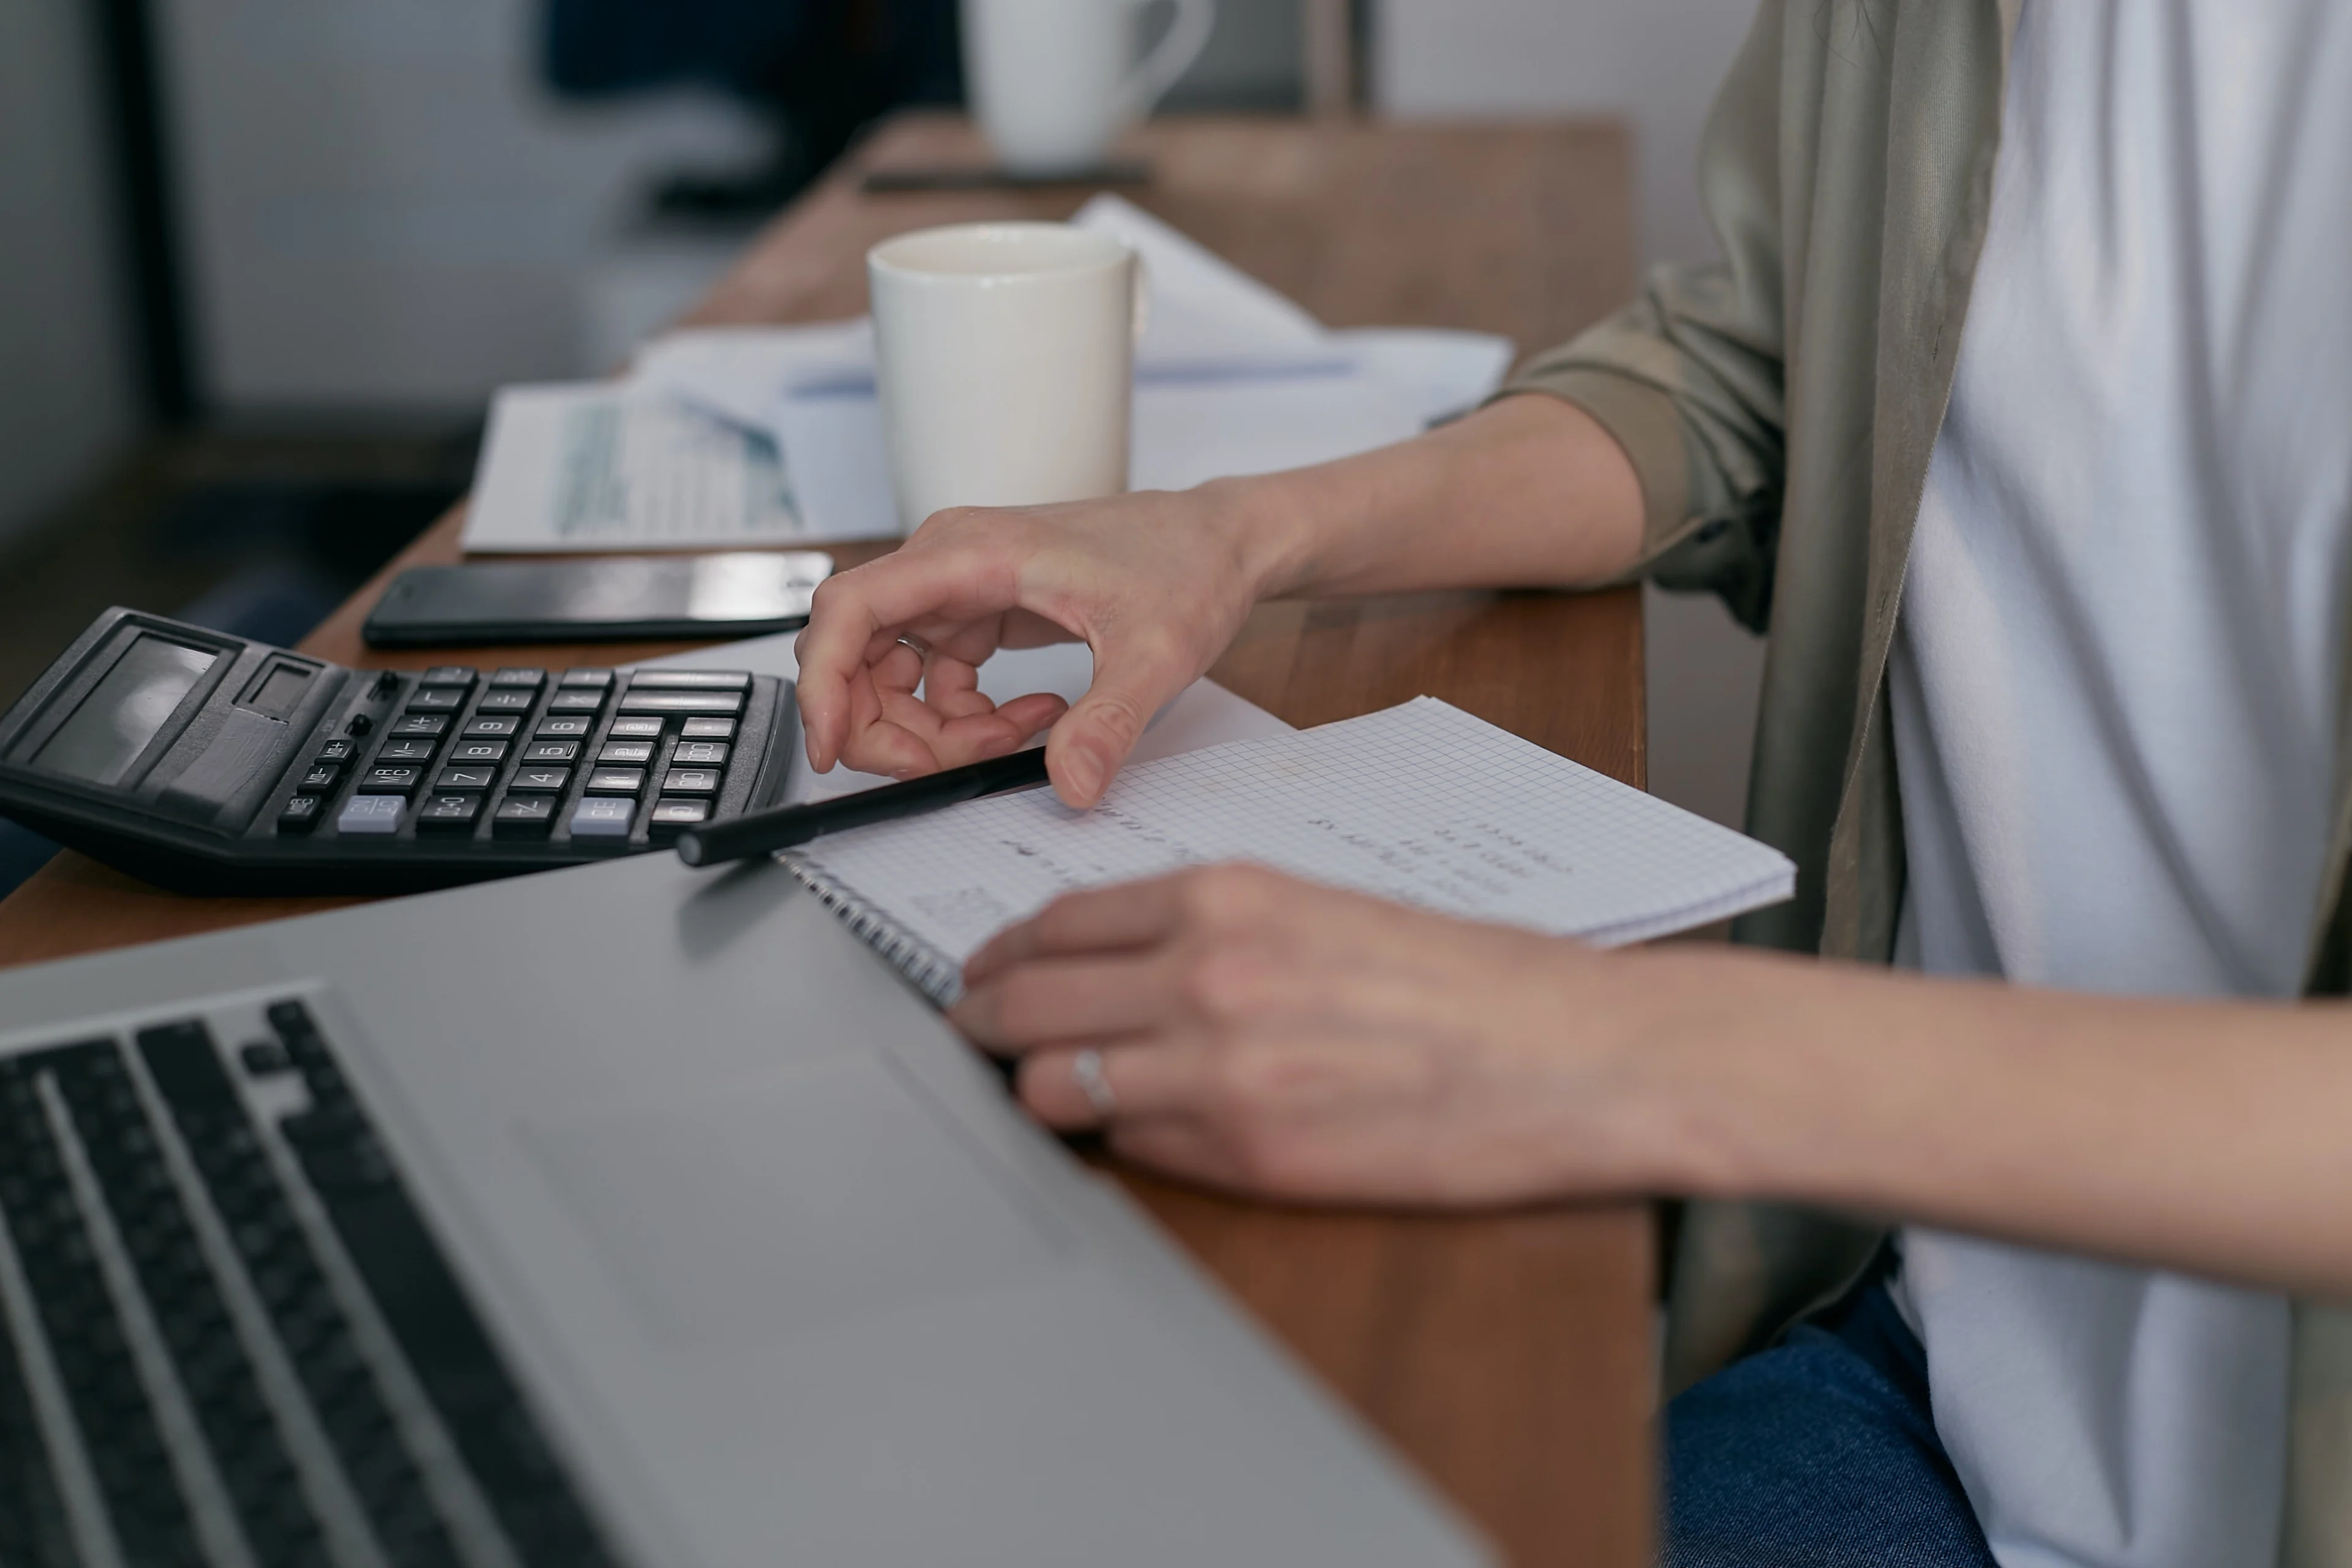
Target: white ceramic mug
(1052, 82)
(1004, 355)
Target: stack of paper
(730, 435)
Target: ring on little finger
(1087, 1072)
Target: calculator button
(506, 700)
(422, 724)
(436, 699)
(450, 814)
(536, 781)
(319, 778)
(338, 752)
(371, 814)
(576, 700)
(699, 729)
(692, 781)
(690, 680)
(627, 751)
(492, 726)
(616, 780)
(301, 814)
(552, 752)
(446, 675)
(405, 751)
(599, 677)
(385, 777)
(523, 816)
(635, 730)
(679, 702)
(533, 678)
(702, 753)
(479, 751)
(465, 778)
(558, 728)
(607, 818)
(668, 812)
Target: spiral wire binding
(935, 974)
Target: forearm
(2207, 1137)
(1530, 492)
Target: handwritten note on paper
(1422, 804)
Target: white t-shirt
(2115, 695)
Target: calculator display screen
(122, 714)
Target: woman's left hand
(1256, 1031)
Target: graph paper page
(1420, 802)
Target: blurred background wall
(378, 210)
(69, 397)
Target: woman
(2053, 714)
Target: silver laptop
(623, 1215)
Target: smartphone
(611, 598)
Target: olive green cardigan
(1781, 408)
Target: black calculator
(211, 764)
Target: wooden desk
(1509, 1355)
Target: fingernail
(1084, 774)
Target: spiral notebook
(1420, 802)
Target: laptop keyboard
(195, 1369)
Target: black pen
(760, 833)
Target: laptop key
(334, 1371)
(87, 1342)
(429, 1313)
(248, 1450)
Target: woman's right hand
(1155, 583)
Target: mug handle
(1187, 37)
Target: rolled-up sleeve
(1690, 377)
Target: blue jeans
(1819, 1452)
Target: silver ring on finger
(1087, 1072)
(922, 649)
